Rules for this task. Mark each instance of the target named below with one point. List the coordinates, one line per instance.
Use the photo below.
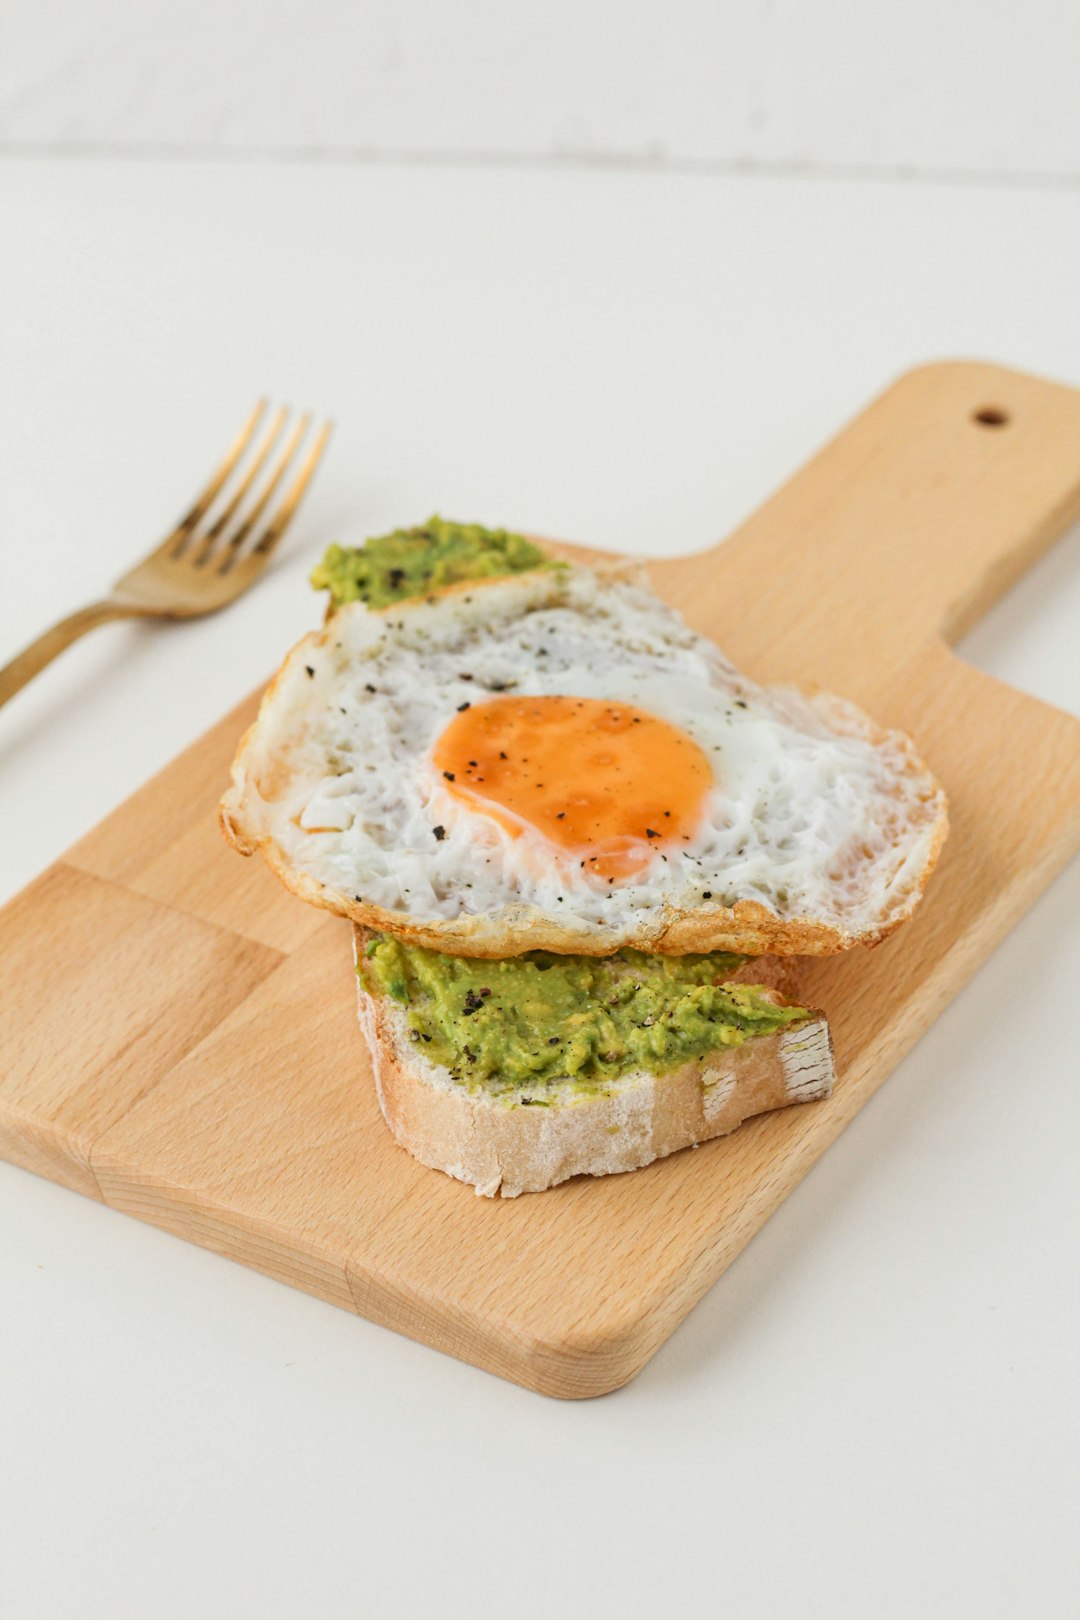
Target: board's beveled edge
(576, 1367)
(198, 1217)
(45, 1150)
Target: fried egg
(556, 760)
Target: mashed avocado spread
(529, 1021)
(411, 562)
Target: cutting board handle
(913, 520)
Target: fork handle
(25, 665)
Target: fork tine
(178, 539)
(237, 539)
(285, 513)
(219, 523)
(287, 510)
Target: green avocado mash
(410, 562)
(530, 1021)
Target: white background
(608, 272)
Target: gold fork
(197, 568)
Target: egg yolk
(602, 781)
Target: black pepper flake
(502, 755)
(440, 833)
(449, 775)
(395, 579)
(309, 669)
(561, 816)
(462, 707)
(369, 688)
(472, 764)
(424, 1037)
(464, 677)
(739, 704)
(706, 894)
(471, 1004)
(650, 832)
(554, 1041)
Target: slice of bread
(502, 1145)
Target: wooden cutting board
(178, 1034)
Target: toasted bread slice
(505, 1146)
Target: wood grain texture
(178, 1034)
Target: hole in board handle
(991, 416)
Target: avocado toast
(580, 885)
(514, 1075)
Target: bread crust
(505, 1148)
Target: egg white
(813, 813)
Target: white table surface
(874, 1413)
